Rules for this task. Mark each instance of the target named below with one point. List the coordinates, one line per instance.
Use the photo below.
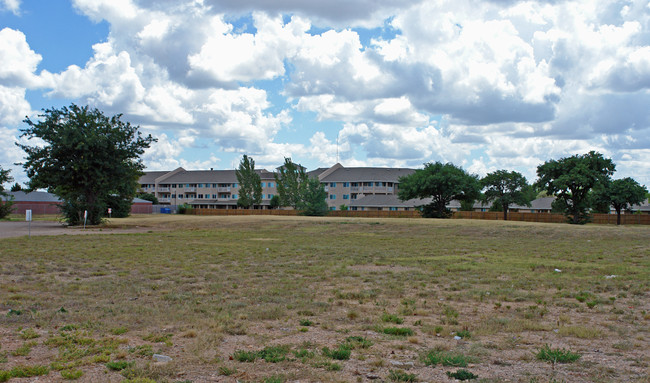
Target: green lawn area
(281, 299)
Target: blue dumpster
(165, 210)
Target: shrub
(557, 355)
(398, 331)
(119, 365)
(392, 318)
(461, 375)
(445, 358)
(341, 353)
(401, 376)
(358, 342)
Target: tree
(571, 179)
(274, 203)
(250, 183)
(148, 197)
(16, 187)
(6, 199)
(621, 194)
(441, 182)
(313, 198)
(506, 188)
(87, 158)
(290, 179)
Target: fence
(626, 219)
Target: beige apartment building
(202, 189)
(359, 188)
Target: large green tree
(506, 188)
(6, 200)
(621, 194)
(313, 200)
(290, 180)
(88, 159)
(571, 180)
(442, 183)
(250, 183)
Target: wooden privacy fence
(626, 219)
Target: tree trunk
(618, 216)
(505, 213)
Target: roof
(35, 196)
(316, 172)
(645, 206)
(199, 176)
(140, 200)
(150, 177)
(367, 174)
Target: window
(173, 195)
(333, 208)
(270, 196)
(353, 208)
(180, 196)
(346, 184)
(200, 196)
(234, 185)
(332, 196)
(214, 185)
(270, 184)
(346, 196)
(200, 185)
(355, 184)
(332, 184)
(354, 196)
(234, 196)
(187, 185)
(173, 186)
(393, 209)
(263, 184)
(379, 184)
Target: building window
(180, 196)
(393, 209)
(234, 185)
(355, 184)
(333, 208)
(353, 208)
(263, 184)
(346, 184)
(332, 196)
(332, 184)
(379, 184)
(234, 196)
(354, 196)
(200, 185)
(346, 196)
(270, 196)
(173, 195)
(200, 196)
(270, 184)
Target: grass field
(282, 299)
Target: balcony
(164, 200)
(190, 190)
(355, 189)
(163, 189)
(223, 190)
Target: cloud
(12, 6)
(19, 62)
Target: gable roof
(35, 196)
(365, 174)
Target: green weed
(446, 358)
(462, 375)
(398, 331)
(556, 355)
(401, 376)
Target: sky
(487, 85)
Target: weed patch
(445, 358)
(556, 355)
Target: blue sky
(484, 84)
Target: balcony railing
(190, 189)
(164, 199)
(223, 189)
(163, 189)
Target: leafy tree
(621, 194)
(6, 200)
(313, 198)
(250, 183)
(274, 203)
(442, 183)
(571, 179)
(290, 180)
(467, 205)
(87, 158)
(16, 187)
(148, 197)
(507, 188)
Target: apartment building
(363, 188)
(209, 189)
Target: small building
(41, 203)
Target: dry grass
(200, 289)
